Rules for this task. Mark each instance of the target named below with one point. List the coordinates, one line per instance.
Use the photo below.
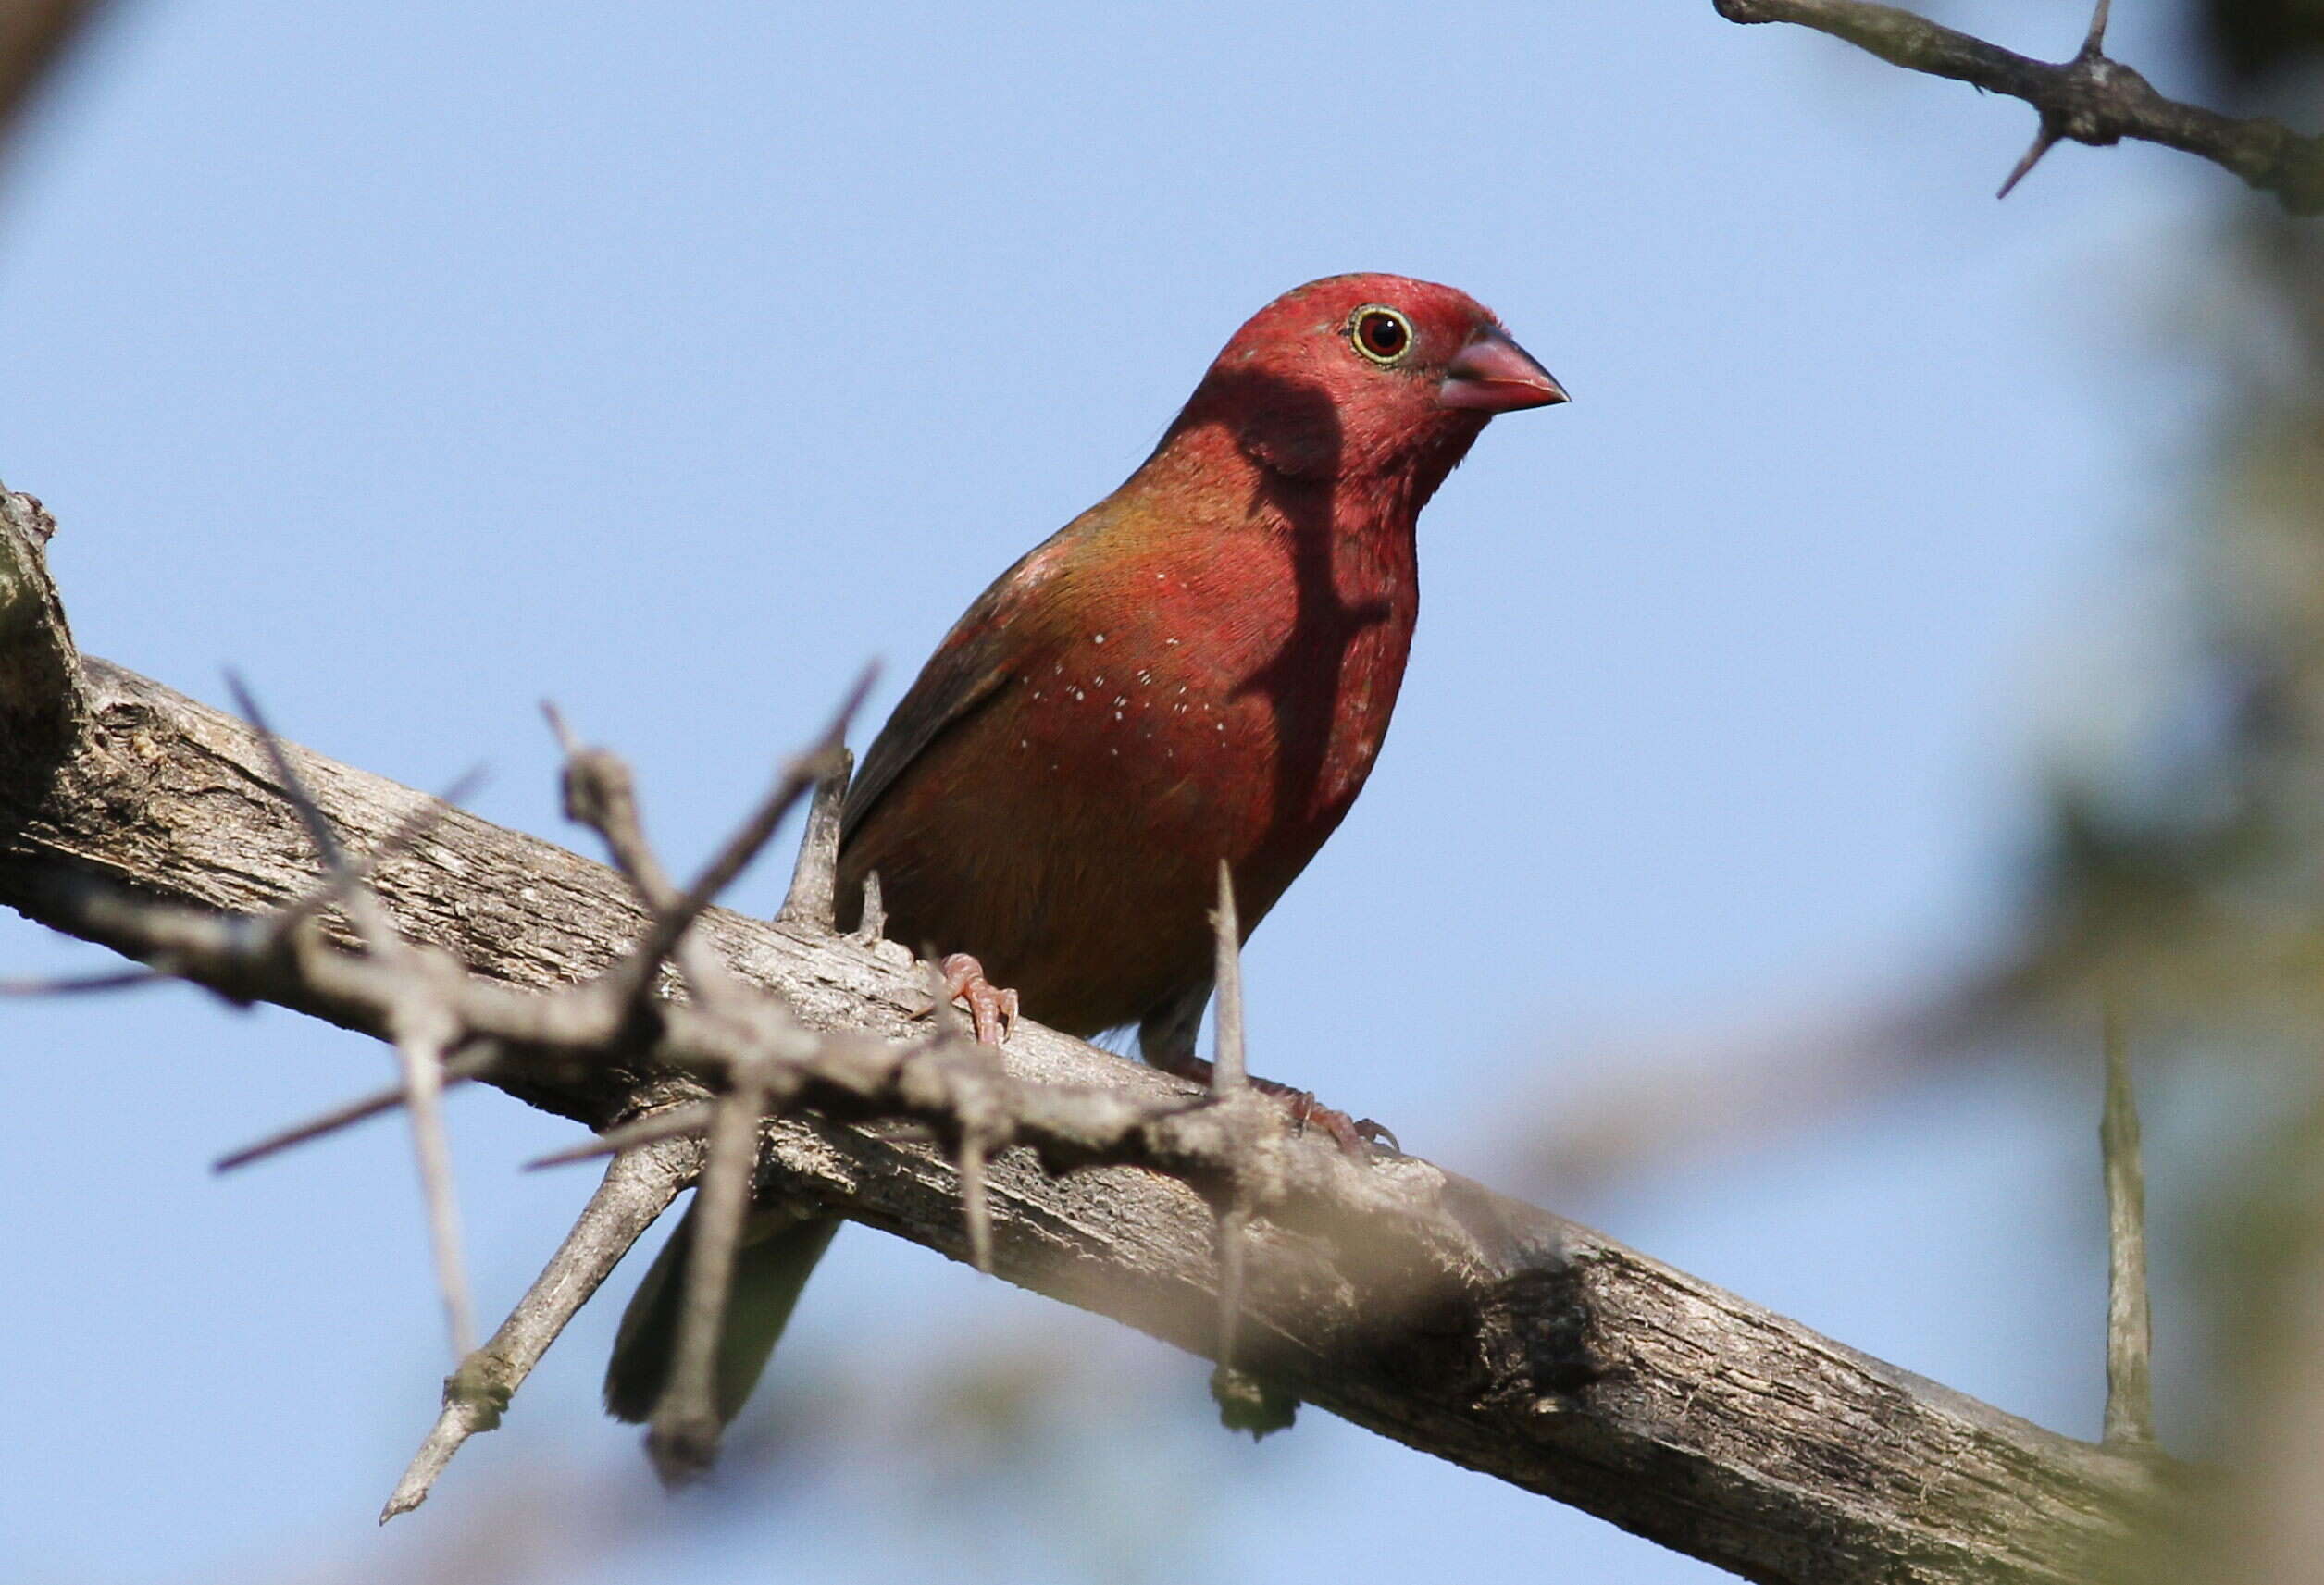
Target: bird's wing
(966, 672)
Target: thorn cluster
(736, 1055)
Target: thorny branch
(2090, 99)
(1389, 1292)
(639, 1185)
(742, 1043)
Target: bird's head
(1357, 376)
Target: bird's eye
(1380, 334)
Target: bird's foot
(1358, 1136)
(991, 1010)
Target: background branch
(2090, 99)
(34, 36)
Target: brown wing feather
(965, 672)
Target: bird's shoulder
(1004, 629)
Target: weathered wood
(1461, 1323)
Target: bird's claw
(1355, 1136)
(992, 1011)
(1358, 1137)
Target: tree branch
(638, 1187)
(2090, 99)
(1397, 1295)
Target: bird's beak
(1493, 374)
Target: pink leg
(990, 1009)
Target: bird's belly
(1070, 834)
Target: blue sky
(422, 361)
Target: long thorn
(2130, 1324)
(2094, 42)
(1233, 1225)
(815, 878)
(422, 1025)
(83, 985)
(457, 1071)
(567, 742)
(682, 1439)
(2044, 141)
(875, 922)
(743, 846)
(1228, 1071)
(421, 1051)
(673, 1123)
(975, 1201)
(310, 813)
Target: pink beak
(1493, 374)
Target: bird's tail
(778, 1253)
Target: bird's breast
(1224, 707)
(1166, 704)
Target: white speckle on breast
(1097, 638)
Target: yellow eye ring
(1380, 333)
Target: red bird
(1200, 667)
